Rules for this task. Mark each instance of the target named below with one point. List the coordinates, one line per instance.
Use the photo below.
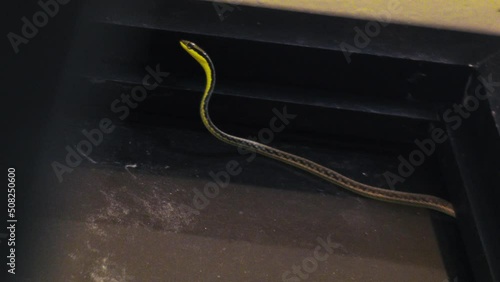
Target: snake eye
(191, 45)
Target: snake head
(187, 45)
(198, 54)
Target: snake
(380, 194)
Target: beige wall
(482, 16)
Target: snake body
(403, 198)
